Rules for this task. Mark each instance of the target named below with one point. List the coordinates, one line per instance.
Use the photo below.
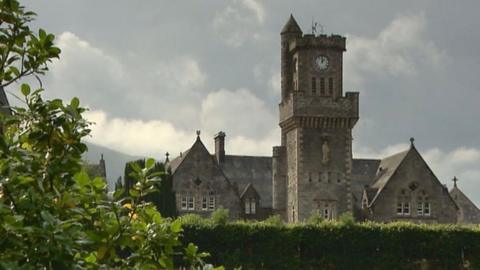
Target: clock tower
(312, 167)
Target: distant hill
(114, 160)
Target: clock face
(321, 62)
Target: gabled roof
(291, 26)
(198, 145)
(387, 168)
(471, 213)
(249, 188)
(364, 172)
(244, 170)
(174, 163)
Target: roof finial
(198, 133)
(101, 156)
(412, 140)
(166, 159)
(455, 180)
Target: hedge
(337, 246)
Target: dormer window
(250, 206)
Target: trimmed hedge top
(333, 245)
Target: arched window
(322, 86)
(330, 86)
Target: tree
(52, 214)
(164, 196)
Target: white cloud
(275, 83)
(397, 50)
(236, 112)
(257, 8)
(239, 21)
(137, 137)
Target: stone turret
(290, 31)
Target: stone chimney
(220, 147)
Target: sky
(153, 72)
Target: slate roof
(291, 26)
(387, 168)
(385, 171)
(243, 170)
(4, 105)
(247, 188)
(174, 163)
(363, 174)
(471, 213)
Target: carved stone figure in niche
(325, 153)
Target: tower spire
(291, 26)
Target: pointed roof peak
(291, 26)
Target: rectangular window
(426, 208)
(204, 203)
(190, 202)
(314, 85)
(211, 203)
(322, 86)
(406, 208)
(420, 208)
(247, 206)
(253, 207)
(184, 202)
(330, 86)
(399, 208)
(326, 213)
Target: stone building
(4, 105)
(468, 212)
(313, 170)
(97, 170)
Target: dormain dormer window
(250, 206)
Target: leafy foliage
(22, 52)
(52, 214)
(220, 216)
(163, 197)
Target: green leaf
(150, 163)
(42, 34)
(25, 89)
(47, 217)
(82, 178)
(99, 183)
(75, 102)
(176, 227)
(135, 167)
